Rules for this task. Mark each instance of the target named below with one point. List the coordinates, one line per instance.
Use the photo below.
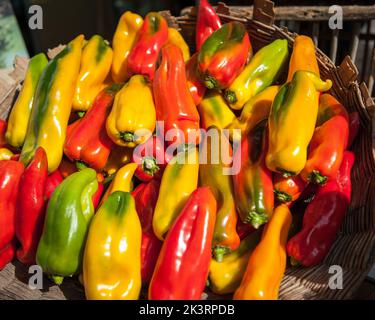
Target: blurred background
(64, 19)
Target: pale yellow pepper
(175, 37)
(5, 154)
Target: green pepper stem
(210, 82)
(219, 252)
(282, 196)
(317, 178)
(256, 219)
(230, 96)
(294, 262)
(127, 136)
(57, 279)
(81, 113)
(149, 165)
(80, 165)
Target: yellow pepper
(253, 112)
(180, 179)
(5, 154)
(132, 119)
(291, 123)
(267, 262)
(112, 258)
(96, 63)
(123, 41)
(214, 111)
(21, 110)
(175, 37)
(225, 276)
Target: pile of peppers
(89, 189)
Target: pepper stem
(81, 113)
(294, 262)
(127, 136)
(256, 219)
(317, 178)
(57, 279)
(230, 96)
(284, 173)
(282, 196)
(219, 252)
(149, 165)
(80, 165)
(210, 82)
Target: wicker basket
(354, 249)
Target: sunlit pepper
(151, 37)
(292, 121)
(175, 37)
(5, 154)
(328, 108)
(132, 119)
(288, 189)
(207, 22)
(21, 110)
(223, 55)
(52, 105)
(267, 262)
(123, 41)
(195, 84)
(263, 70)
(181, 176)
(112, 268)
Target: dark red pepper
(98, 195)
(354, 123)
(53, 180)
(3, 129)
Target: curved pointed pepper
(181, 176)
(292, 121)
(196, 86)
(303, 57)
(6, 154)
(223, 55)
(212, 174)
(323, 217)
(132, 118)
(175, 37)
(118, 157)
(10, 175)
(145, 197)
(207, 22)
(225, 276)
(21, 110)
(267, 262)
(86, 139)
(354, 123)
(255, 110)
(52, 105)
(96, 60)
(326, 150)
(214, 111)
(123, 41)
(328, 108)
(111, 268)
(68, 216)
(253, 188)
(3, 129)
(30, 209)
(182, 267)
(288, 189)
(173, 101)
(153, 35)
(53, 180)
(263, 69)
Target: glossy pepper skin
(223, 55)
(30, 209)
(214, 111)
(225, 276)
(3, 129)
(118, 157)
(112, 259)
(10, 175)
(175, 37)
(288, 189)
(303, 57)
(213, 174)
(181, 176)
(21, 110)
(183, 264)
(263, 69)
(53, 180)
(328, 108)
(254, 111)
(52, 105)
(323, 217)
(68, 216)
(96, 60)
(196, 86)
(253, 188)
(132, 118)
(153, 35)
(267, 262)
(122, 42)
(173, 101)
(5, 154)
(86, 139)
(292, 121)
(326, 150)
(207, 22)
(145, 197)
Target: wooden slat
(334, 45)
(355, 41)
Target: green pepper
(68, 216)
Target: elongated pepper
(207, 22)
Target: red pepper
(30, 209)
(53, 180)
(173, 101)
(145, 197)
(196, 86)
(353, 127)
(244, 229)
(288, 189)
(152, 36)
(207, 22)
(98, 195)
(182, 267)
(326, 150)
(67, 167)
(10, 175)
(87, 140)
(3, 129)
(328, 108)
(323, 217)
